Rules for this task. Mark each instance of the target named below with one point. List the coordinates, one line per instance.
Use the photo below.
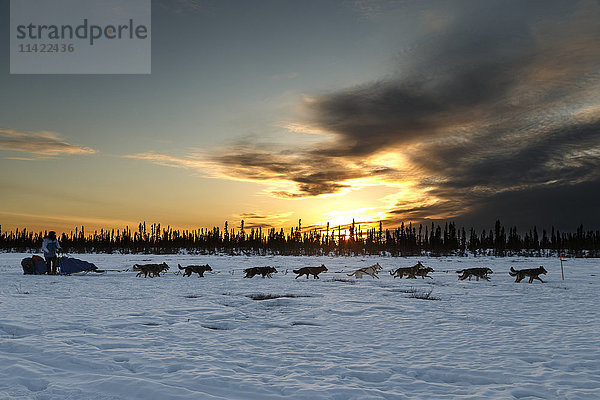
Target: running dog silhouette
(422, 272)
(371, 271)
(264, 271)
(150, 270)
(476, 272)
(410, 272)
(195, 269)
(533, 273)
(314, 271)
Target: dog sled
(36, 265)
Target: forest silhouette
(405, 240)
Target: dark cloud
(313, 175)
(565, 154)
(489, 110)
(562, 206)
(465, 74)
(253, 216)
(424, 212)
(500, 99)
(261, 220)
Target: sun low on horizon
(326, 112)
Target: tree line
(404, 240)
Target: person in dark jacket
(51, 247)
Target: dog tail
(460, 271)
(352, 274)
(180, 267)
(512, 272)
(296, 271)
(391, 273)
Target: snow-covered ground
(115, 336)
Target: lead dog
(371, 271)
(476, 272)
(533, 273)
(195, 269)
(264, 271)
(314, 271)
(151, 270)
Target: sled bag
(69, 265)
(33, 265)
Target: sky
(325, 111)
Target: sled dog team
(152, 270)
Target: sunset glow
(413, 112)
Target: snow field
(115, 336)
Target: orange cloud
(291, 175)
(42, 143)
(166, 160)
